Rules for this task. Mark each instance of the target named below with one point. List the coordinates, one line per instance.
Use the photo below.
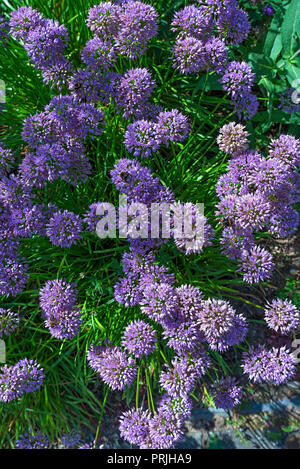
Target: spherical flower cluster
(57, 300)
(227, 393)
(144, 137)
(139, 338)
(25, 376)
(282, 316)
(130, 25)
(38, 440)
(117, 369)
(233, 138)
(276, 366)
(160, 302)
(64, 229)
(9, 321)
(134, 425)
(192, 21)
(256, 194)
(238, 77)
(188, 55)
(45, 41)
(13, 276)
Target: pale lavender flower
(256, 264)
(57, 295)
(189, 55)
(282, 316)
(238, 78)
(25, 376)
(246, 104)
(9, 321)
(134, 425)
(190, 301)
(159, 302)
(233, 23)
(287, 149)
(171, 126)
(30, 440)
(98, 54)
(64, 324)
(139, 338)
(216, 55)
(141, 138)
(104, 19)
(13, 276)
(192, 21)
(24, 20)
(233, 138)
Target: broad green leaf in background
(290, 30)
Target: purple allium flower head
(256, 264)
(9, 321)
(269, 177)
(282, 316)
(227, 393)
(171, 126)
(245, 104)
(117, 369)
(13, 276)
(64, 324)
(28, 221)
(134, 425)
(4, 31)
(57, 295)
(233, 138)
(86, 85)
(159, 302)
(13, 193)
(284, 221)
(134, 91)
(38, 440)
(215, 318)
(127, 290)
(57, 75)
(190, 301)
(138, 25)
(24, 377)
(98, 54)
(235, 240)
(133, 262)
(287, 102)
(6, 160)
(190, 228)
(192, 21)
(45, 43)
(64, 229)
(104, 19)
(287, 149)
(275, 366)
(24, 20)
(252, 211)
(233, 23)
(183, 337)
(71, 439)
(165, 429)
(141, 138)
(189, 55)
(238, 78)
(138, 183)
(139, 338)
(180, 378)
(216, 55)
(180, 406)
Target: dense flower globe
(141, 138)
(282, 316)
(238, 77)
(139, 338)
(98, 54)
(165, 429)
(233, 23)
(215, 318)
(287, 149)
(180, 406)
(9, 321)
(190, 301)
(23, 20)
(24, 377)
(64, 229)
(245, 104)
(189, 55)
(235, 240)
(38, 440)
(159, 302)
(13, 276)
(134, 425)
(233, 138)
(117, 369)
(57, 295)
(227, 393)
(127, 290)
(134, 91)
(256, 264)
(171, 126)
(64, 324)
(103, 19)
(192, 21)
(180, 378)
(276, 365)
